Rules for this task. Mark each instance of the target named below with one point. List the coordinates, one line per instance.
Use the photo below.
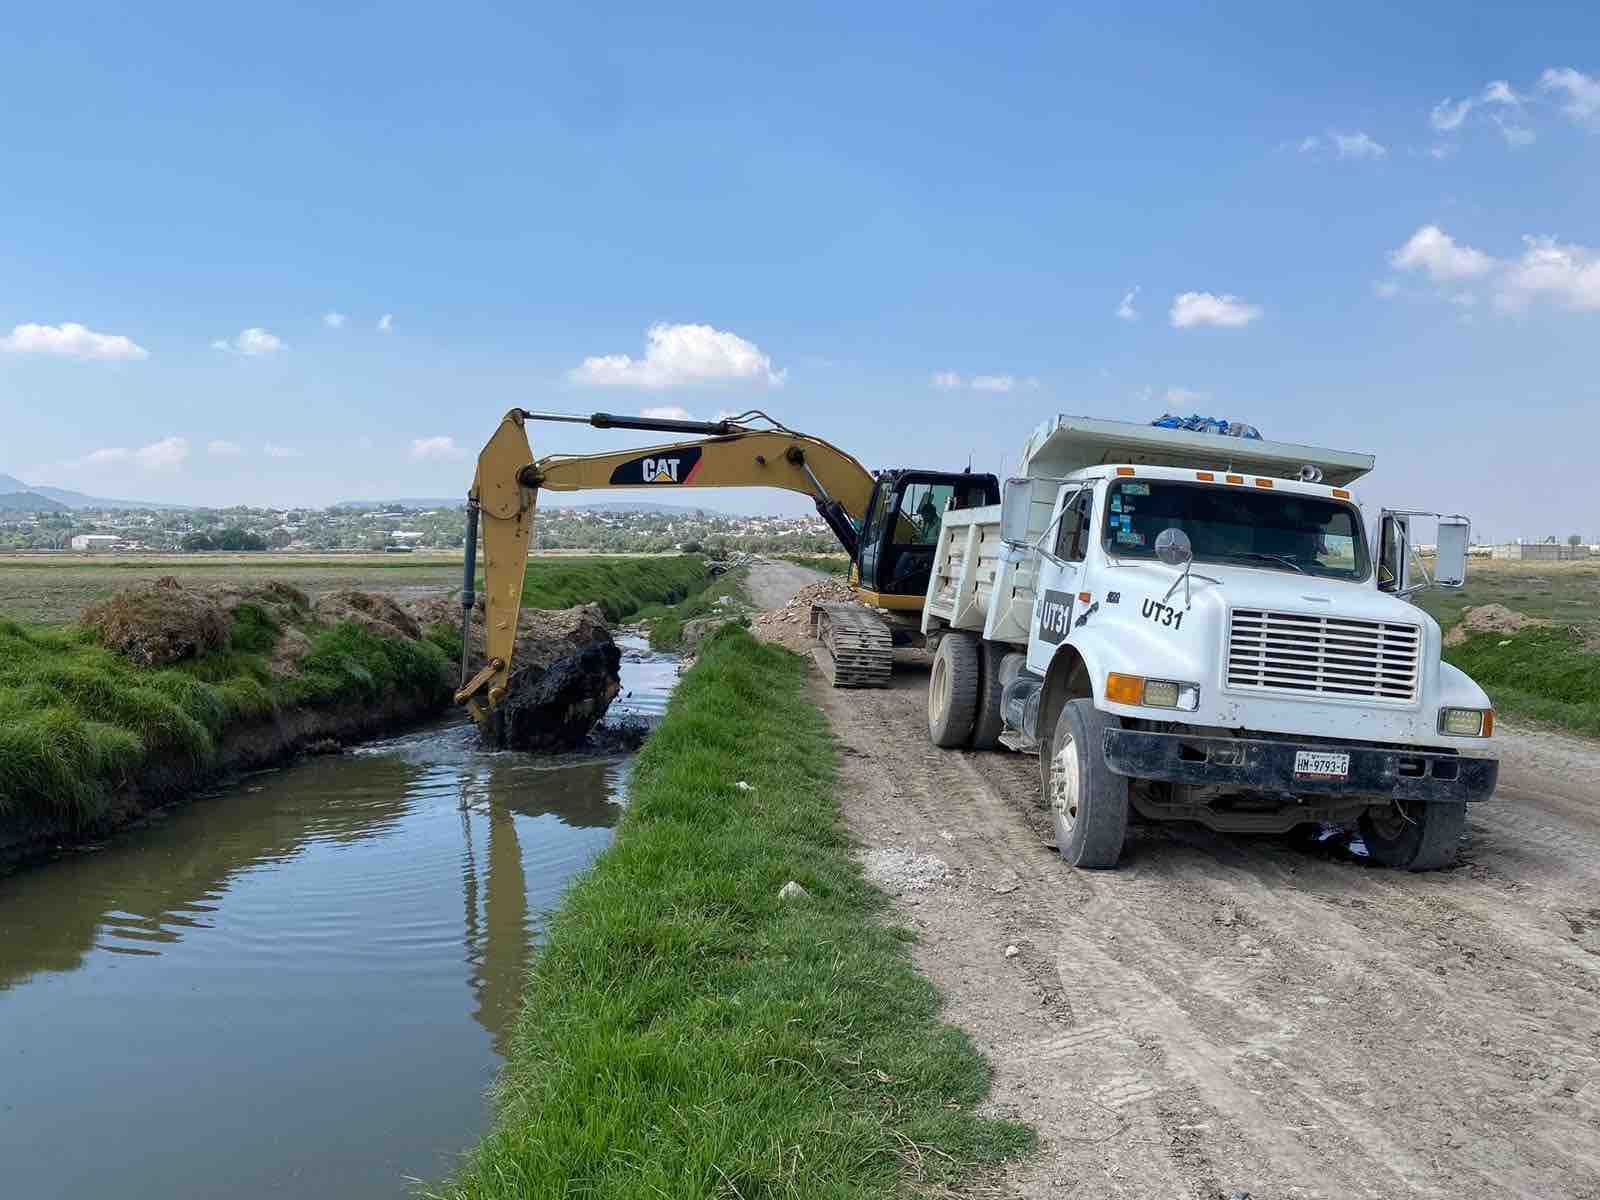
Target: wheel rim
(1064, 789)
(939, 689)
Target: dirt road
(769, 583)
(1229, 1014)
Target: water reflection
(309, 980)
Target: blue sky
(844, 217)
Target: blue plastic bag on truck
(1195, 423)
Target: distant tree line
(223, 539)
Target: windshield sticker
(1116, 504)
(1136, 489)
(1127, 537)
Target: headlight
(1152, 693)
(1466, 722)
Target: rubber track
(855, 648)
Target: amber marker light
(1341, 493)
(1124, 689)
(1234, 478)
(1124, 470)
(1205, 476)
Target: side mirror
(1016, 503)
(1394, 553)
(1174, 548)
(1450, 568)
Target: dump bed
(1065, 444)
(978, 583)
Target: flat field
(1565, 592)
(51, 589)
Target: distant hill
(26, 501)
(11, 485)
(403, 502)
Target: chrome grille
(1300, 654)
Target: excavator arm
(728, 454)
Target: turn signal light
(1124, 689)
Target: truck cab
(1187, 626)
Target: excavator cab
(900, 532)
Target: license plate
(1321, 764)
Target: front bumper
(1268, 766)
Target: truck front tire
(1414, 837)
(1088, 801)
(953, 690)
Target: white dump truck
(1199, 627)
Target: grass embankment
(722, 594)
(78, 721)
(1545, 674)
(621, 586)
(1550, 674)
(686, 1033)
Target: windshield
(1247, 526)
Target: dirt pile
(791, 625)
(1493, 618)
(159, 623)
(374, 613)
(564, 672)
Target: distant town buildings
(95, 541)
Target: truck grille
(1298, 653)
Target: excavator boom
(727, 453)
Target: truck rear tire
(1414, 837)
(953, 690)
(988, 721)
(1088, 801)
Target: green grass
(77, 721)
(665, 621)
(685, 1033)
(1545, 674)
(621, 586)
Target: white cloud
(1567, 274)
(1441, 150)
(682, 356)
(1582, 92)
(994, 383)
(1191, 309)
(273, 451)
(166, 455)
(253, 342)
(1516, 136)
(71, 340)
(436, 449)
(1182, 397)
(1357, 145)
(334, 320)
(1449, 115)
(1309, 145)
(386, 323)
(946, 381)
(665, 412)
(1433, 250)
(1126, 310)
(224, 449)
(1386, 289)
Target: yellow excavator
(887, 522)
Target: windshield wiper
(1282, 558)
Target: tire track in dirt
(1237, 1013)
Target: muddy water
(304, 985)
